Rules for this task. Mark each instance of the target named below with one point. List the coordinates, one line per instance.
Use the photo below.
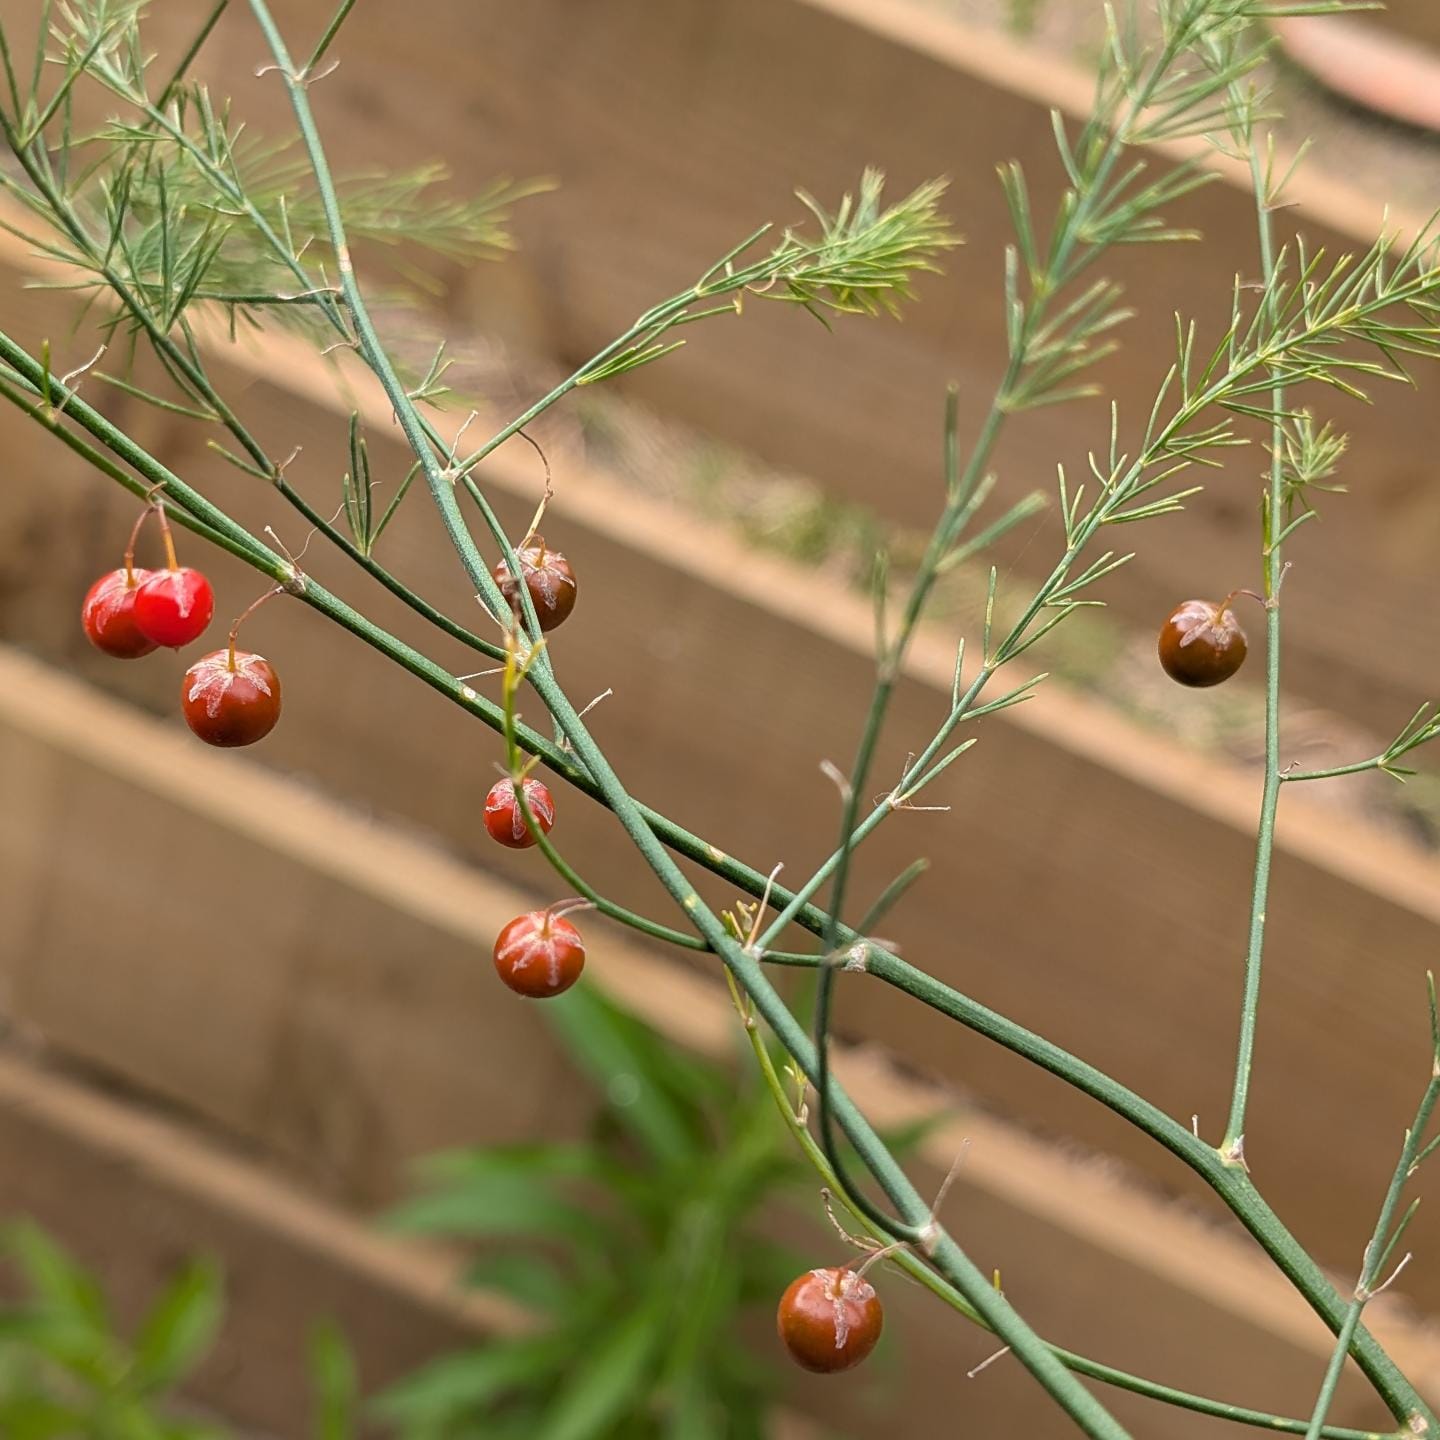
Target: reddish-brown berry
(506, 821)
(108, 615)
(1202, 644)
(174, 606)
(830, 1319)
(549, 579)
(539, 955)
(231, 698)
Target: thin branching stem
(1232, 1148)
(1383, 1242)
(1088, 1413)
(1290, 339)
(1080, 1364)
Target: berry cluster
(539, 954)
(229, 697)
(829, 1319)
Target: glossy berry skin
(1201, 644)
(830, 1319)
(506, 822)
(173, 607)
(108, 615)
(231, 706)
(549, 579)
(539, 955)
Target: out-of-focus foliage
(68, 1371)
(632, 1247)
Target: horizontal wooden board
(408, 1044)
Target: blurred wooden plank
(1087, 1255)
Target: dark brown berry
(549, 579)
(830, 1319)
(1202, 644)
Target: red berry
(539, 954)
(830, 1319)
(108, 615)
(231, 700)
(549, 579)
(173, 607)
(506, 821)
(1202, 644)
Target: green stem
(192, 374)
(1232, 1186)
(944, 1253)
(1359, 768)
(683, 842)
(182, 68)
(1334, 1370)
(325, 41)
(1028, 1347)
(33, 404)
(1232, 1148)
(1377, 1252)
(889, 660)
(1080, 1364)
(562, 867)
(195, 376)
(378, 572)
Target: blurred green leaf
(457, 1386)
(474, 1165)
(607, 1381)
(37, 1417)
(696, 1412)
(53, 1276)
(63, 1339)
(529, 1279)
(638, 1077)
(500, 1204)
(180, 1327)
(336, 1382)
(765, 1267)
